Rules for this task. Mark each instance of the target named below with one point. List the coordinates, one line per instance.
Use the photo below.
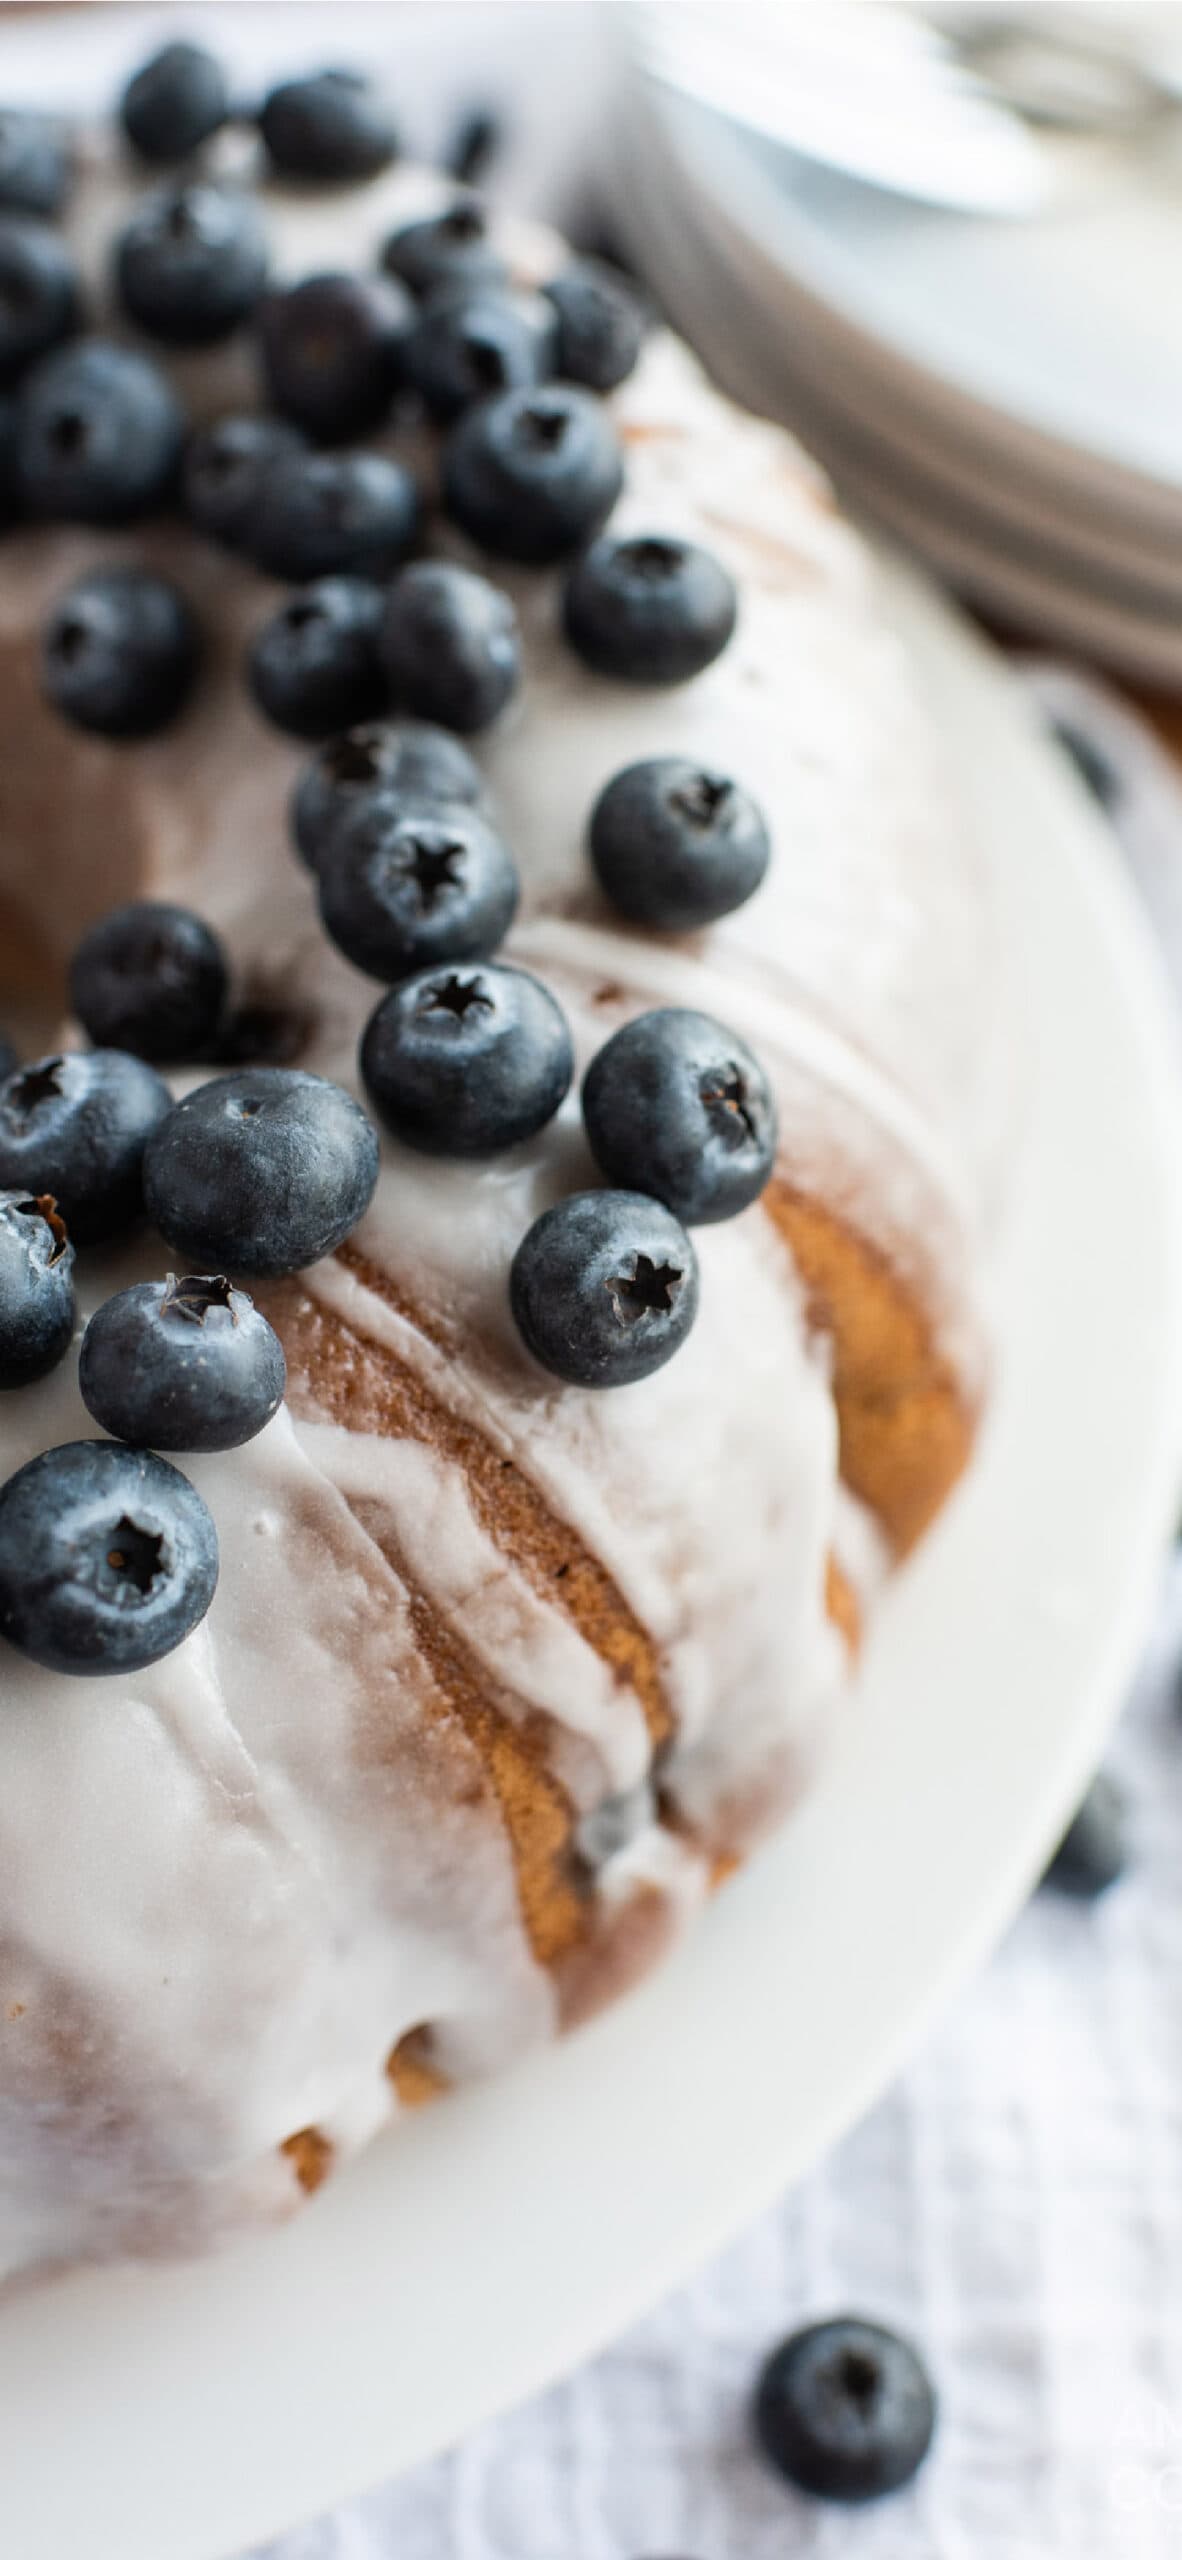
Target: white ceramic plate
(476, 2254)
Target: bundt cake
(501, 1672)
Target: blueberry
(38, 293)
(604, 1288)
(532, 474)
(332, 351)
(191, 263)
(100, 434)
(174, 103)
(323, 515)
(261, 1172)
(36, 1287)
(649, 610)
(845, 2410)
(472, 340)
(77, 1126)
(120, 652)
(315, 666)
(450, 645)
(403, 888)
(466, 1062)
(181, 1364)
(108, 1558)
(1091, 1853)
(449, 248)
(35, 168)
(677, 1105)
(226, 469)
(151, 978)
(677, 845)
(404, 760)
(329, 125)
(601, 324)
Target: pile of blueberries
(107, 1553)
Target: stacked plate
(1001, 387)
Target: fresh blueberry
(466, 1062)
(532, 474)
(261, 1172)
(120, 652)
(403, 760)
(174, 103)
(191, 263)
(324, 515)
(181, 1364)
(108, 1558)
(332, 351)
(448, 248)
(77, 1126)
(315, 666)
(36, 1287)
(450, 645)
(100, 434)
(604, 1288)
(151, 978)
(845, 2410)
(329, 125)
(1091, 1853)
(472, 340)
(7, 1057)
(677, 1105)
(38, 293)
(677, 845)
(401, 889)
(477, 139)
(649, 609)
(601, 324)
(35, 165)
(227, 467)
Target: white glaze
(239, 1877)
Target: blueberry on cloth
(108, 1558)
(36, 1287)
(677, 1105)
(328, 125)
(226, 468)
(120, 653)
(601, 323)
(332, 349)
(174, 103)
(152, 978)
(76, 1124)
(845, 2410)
(402, 887)
(604, 1288)
(471, 340)
(260, 1172)
(192, 263)
(324, 515)
(410, 761)
(531, 475)
(450, 645)
(39, 304)
(181, 1364)
(649, 609)
(466, 1062)
(315, 666)
(99, 434)
(1091, 1853)
(448, 248)
(676, 844)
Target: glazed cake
(501, 1675)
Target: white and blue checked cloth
(1014, 2202)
